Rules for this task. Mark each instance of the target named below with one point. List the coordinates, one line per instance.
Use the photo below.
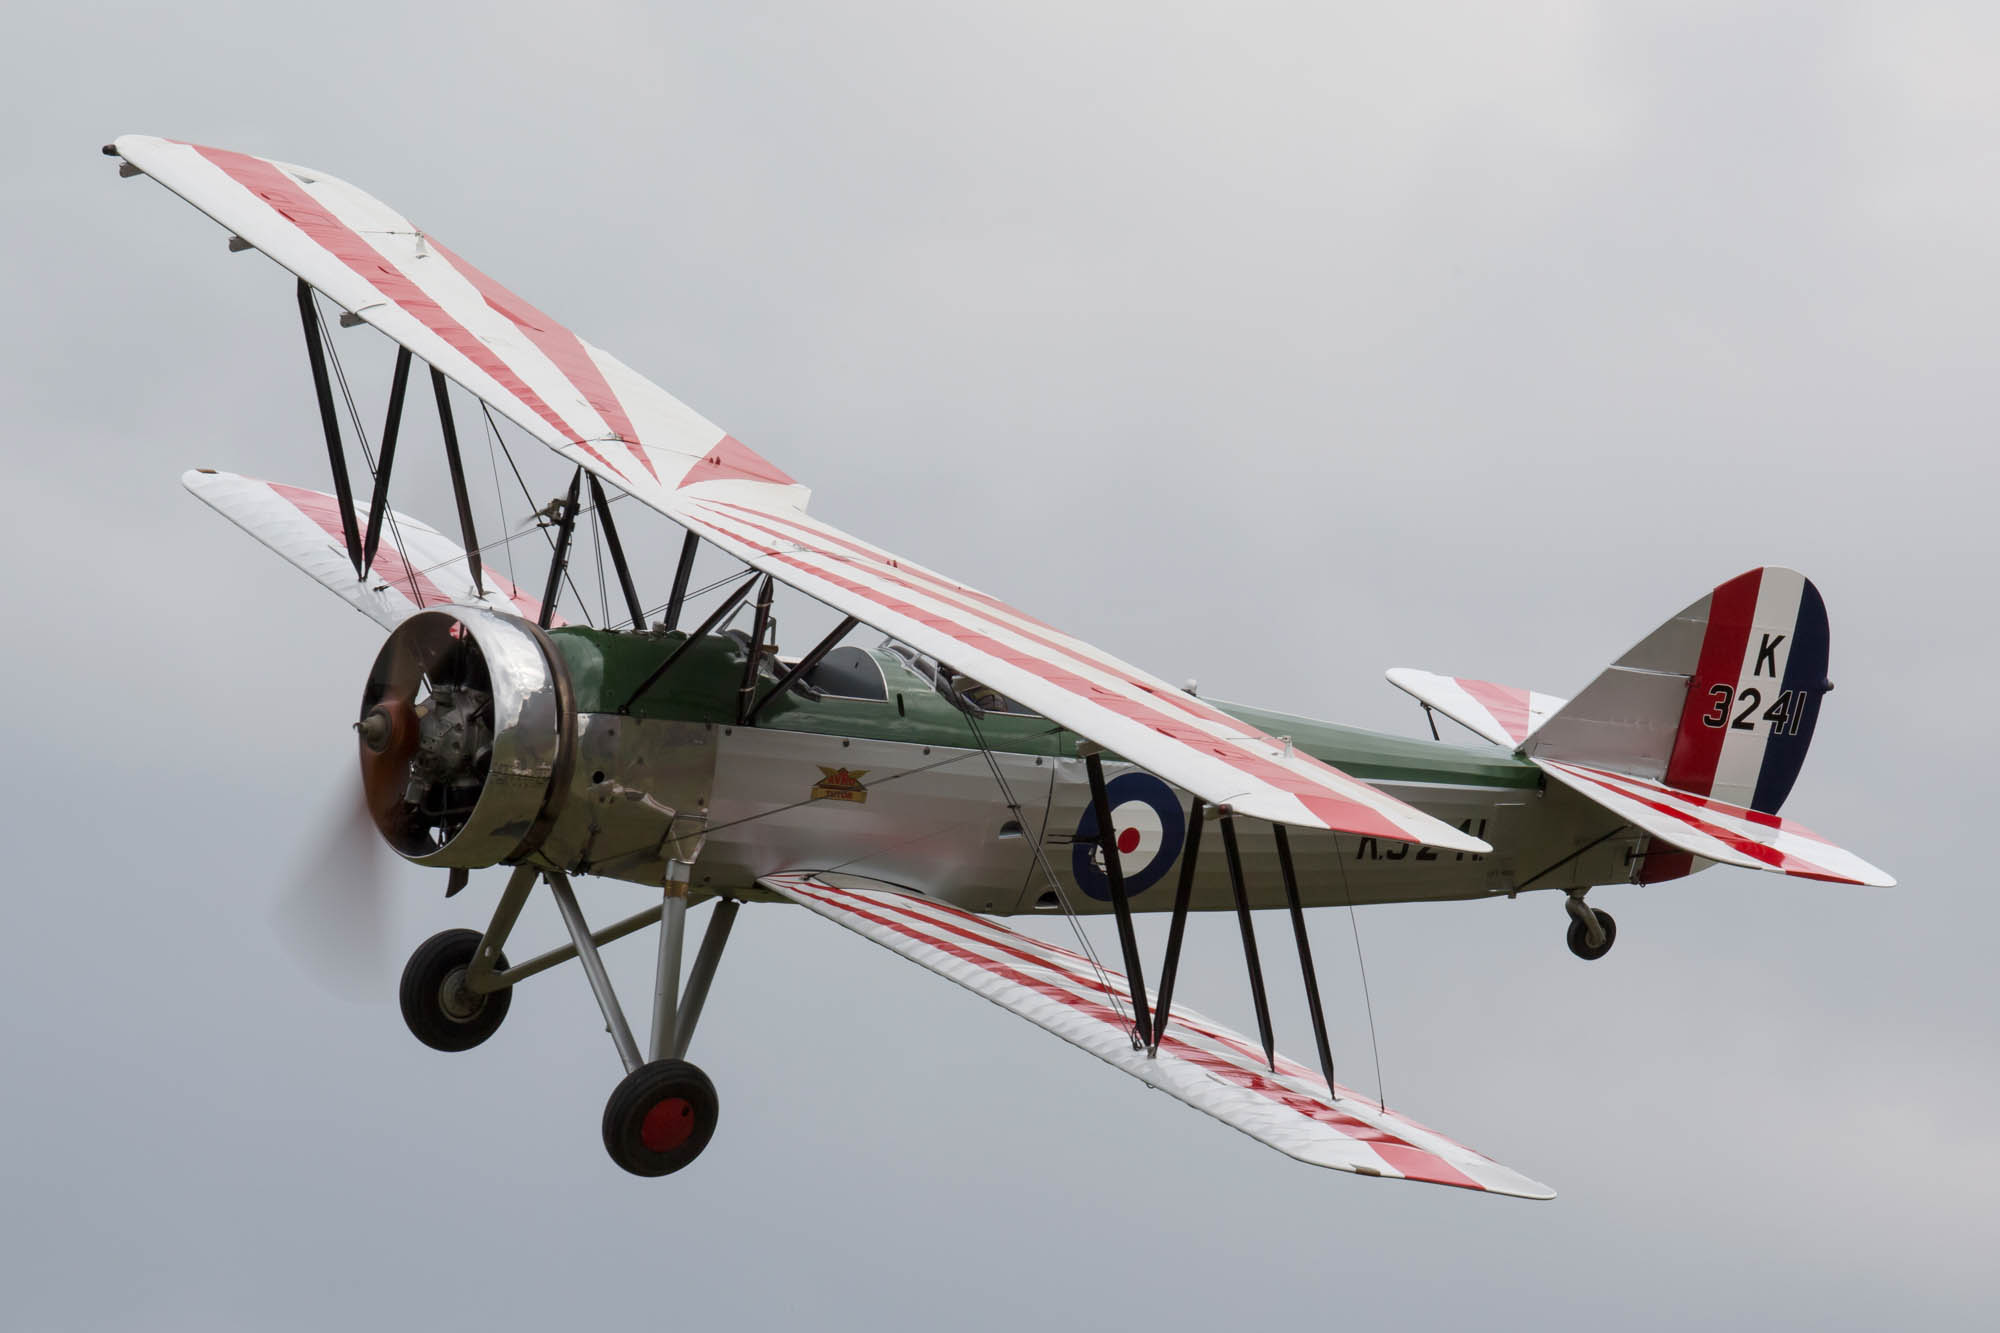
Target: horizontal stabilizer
(1200, 1062)
(1718, 831)
(1504, 714)
(415, 566)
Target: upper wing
(1504, 714)
(1715, 829)
(590, 407)
(1200, 1062)
(366, 257)
(417, 566)
(1182, 738)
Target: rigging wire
(702, 591)
(498, 543)
(529, 496)
(603, 589)
(814, 800)
(1367, 999)
(1055, 885)
(367, 453)
(499, 504)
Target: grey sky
(1273, 345)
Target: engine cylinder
(467, 737)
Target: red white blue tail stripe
(1753, 697)
(1721, 700)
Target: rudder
(1720, 701)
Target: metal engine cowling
(468, 737)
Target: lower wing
(417, 566)
(1199, 1062)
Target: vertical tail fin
(1719, 701)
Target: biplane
(975, 764)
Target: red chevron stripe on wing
(1221, 758)
(564, 350)
(266, 181)
(1200, 1062)
(1718, 830)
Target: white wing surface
(415, 566)
(1504, 714)
(1717, 830)
(1200, 1062)
(591, 408)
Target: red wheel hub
(667, 1125)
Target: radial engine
(474, 753)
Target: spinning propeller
(333, 916)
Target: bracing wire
(506, 543)
(1361, 964)
(597, 544)
(1055, 885)
(810, 800)
(367, 452)
(493, 439)
(731, 577)
(528, 495)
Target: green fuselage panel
(706, 685)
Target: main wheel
(659, 1117)
(442, 1012)
(1579, 938)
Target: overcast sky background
(1269, 344)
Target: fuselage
(881, 764)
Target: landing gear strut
(1591, 931)
(663, 1113)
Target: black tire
(1579, 942)
(659, 1117)
(442, 1014)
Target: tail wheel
(442, 1012)
(659, 1117)
(1579, 935)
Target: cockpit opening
(965, 693)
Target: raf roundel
(1150, 827)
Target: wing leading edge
(1200, 1062)
(586, 405)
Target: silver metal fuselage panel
(933, 819)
